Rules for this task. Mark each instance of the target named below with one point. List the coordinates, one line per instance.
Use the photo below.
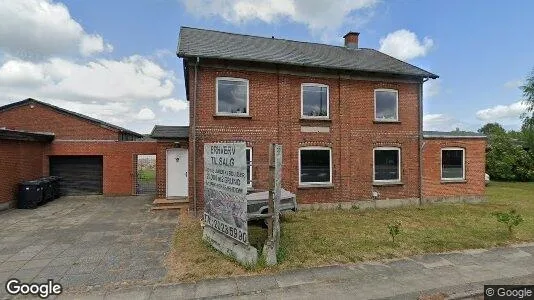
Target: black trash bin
(48, 189)
(30, 194)
(55, 186)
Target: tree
(528, 93)
(492, 129)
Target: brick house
(92, 156)
(349, 120)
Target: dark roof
(20, 135)
(170, 132)
(452, 134)
(71, 113)
(204, 43)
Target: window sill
(386, 122)
(311, 119)
(316, 186)
(445, 181)
(230, 116)
(387, 183)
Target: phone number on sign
(226, 229)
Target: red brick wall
(41, 118)
(475, 165)
(118, 160)
(161, 164)
(275, 109)
(21, 160)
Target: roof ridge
(268, 38)
(79, 115)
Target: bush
(511, 219)
(507, 159)
(394, 230)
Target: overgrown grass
(313, 238)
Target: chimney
(351, 40)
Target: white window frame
(217, 97)
(396, 109)
(249, 184)
(300, 167)
(399, 166)
(302, 101)
(441, 163)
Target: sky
(116, 61)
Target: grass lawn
(146, 174)
(323, 237)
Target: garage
(80, 175)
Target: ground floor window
(315, 165)
(452, 164)
(386, 164)
(249, 166)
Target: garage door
(80, 175)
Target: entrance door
(177, 165)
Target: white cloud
(443, 122)
(513, 84)
(315, 14)
(42, 28)
(431, 88)
(500, 112)
(404, 45)
(171, 104)
(130, 79)
(145, 114)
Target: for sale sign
(225, 189)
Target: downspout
(195, 138)
(420, 138)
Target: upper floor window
(387, 164)
(315, 102)
(232, 96)
(452, 164)
(315, 165)
(386, 105)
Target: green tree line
(510, 154)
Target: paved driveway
(86, 241)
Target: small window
(232, 96)
(386, 164)
(249, 166)
(386, 105)
(315, 103)
(452, 164)
(315, 165)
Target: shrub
(511, 219)
(394, 230)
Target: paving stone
(299, 277)
(216, 287)
(21, 256)
(73, 280)
(26, 275)
(248, 284)
(63, 261)
(81, 268)
(37, 263)
(129, 294)
(11, 265)
(179, 291)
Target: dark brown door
(80, 175)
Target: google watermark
(509, 292)
(43, 290)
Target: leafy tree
(492, 129)
(511, 219)
(528, 93)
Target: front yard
(324, 237)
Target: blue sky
(115, 60)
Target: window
(386, 105)
(249, 166)
(315, 165)
(314, 100)
(386, 164)
(232, 96)
(452, 164)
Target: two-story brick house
(349, 120)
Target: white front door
(177, 166)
